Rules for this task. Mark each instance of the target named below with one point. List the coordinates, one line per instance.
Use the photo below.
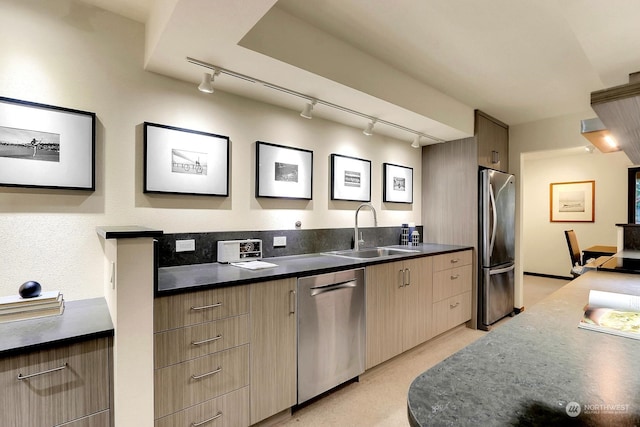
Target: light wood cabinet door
(384, 304)
(273, 348)
(399, 304)
(57, 385)
(417, 304)
(493, 142)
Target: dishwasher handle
(333, 287)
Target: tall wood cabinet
(273, 348)
(398, 306)
(492, 137)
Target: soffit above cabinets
(425, 64)
(619, 109)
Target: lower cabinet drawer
(447, 283)
(228, 410)
(451, 312)
(56, 385)
(195, 381)
(178, 345)
(101, 419)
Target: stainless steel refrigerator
(496, 246)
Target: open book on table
(612, 313)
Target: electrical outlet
(280, 241)
(185, 245)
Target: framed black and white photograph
(397, 183)
(184, 161)
(350, 178)
(572, 201)
(46, 146)
(283, 172)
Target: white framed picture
(398, 183)
(350, 178)
(184, 161)
(46, 146)
(283, 172)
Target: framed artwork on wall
(283, 172)
(350, 178)
(45, 146)
(397, 183)
(572, 201)
(184, 161)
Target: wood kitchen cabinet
(452, 283)
(273, 348)
(492, 137)
(201, 358)
(398, 307)
(57, 385)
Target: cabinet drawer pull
(455, 260)
(401, 278)
(216, 338)
(197, 377)
(408, 281)
(204, 307)
(454, 277)
(24, 377)
(215, 417)
(454, 305)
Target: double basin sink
(370, 253)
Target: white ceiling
(424, 64)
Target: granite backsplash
(298, 242)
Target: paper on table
(613, 300)
(253, 265)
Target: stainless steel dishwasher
(331, 331)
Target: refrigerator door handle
(502, 270)
(494, 212)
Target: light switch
(279, 241)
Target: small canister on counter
(415, 238)
(404, 234)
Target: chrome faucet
(356, 239)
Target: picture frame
(185, 161)
(572, 201)
(283, 172)
(397, 183)
(350, 178)
(45, 146)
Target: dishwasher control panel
(239, 250)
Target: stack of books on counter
(14, 307)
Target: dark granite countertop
(189, 277)
(530, 369)
(81, 320)
(127, 232)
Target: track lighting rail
(312, 99)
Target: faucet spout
(356, 239)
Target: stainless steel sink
(367, 253)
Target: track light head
(206, 85)
(416, 142)
(306, 113)
(369, 129)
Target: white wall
(544, 245)
(67, 54)
(549, 138)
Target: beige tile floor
(380, 398)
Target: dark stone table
(538, 368)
